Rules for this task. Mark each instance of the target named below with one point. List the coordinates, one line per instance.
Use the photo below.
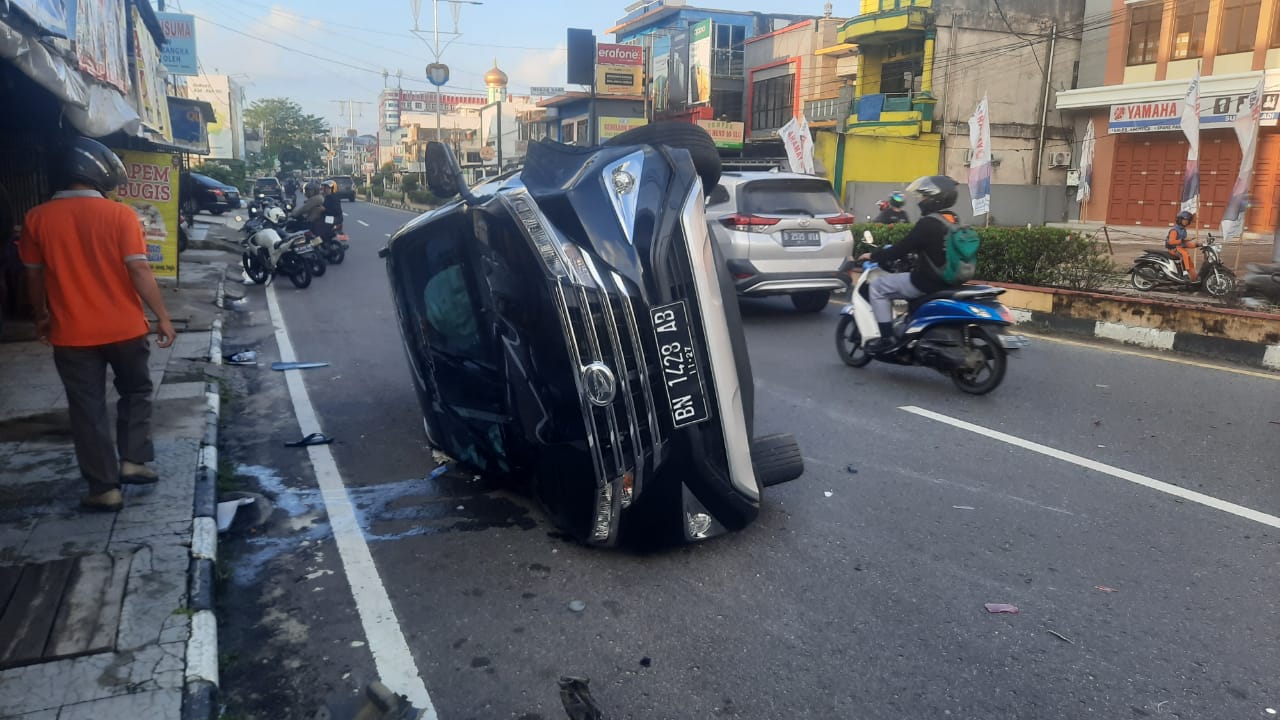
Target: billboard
(226, 133)
(678, 74)
(700, 62)
(179, 54)
(152, 192)
(619, 69)
(615, 126)
(1218, 112)
(188, 126)
(661, 61)
(49, 15)
(724, 134)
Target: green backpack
(962, 252)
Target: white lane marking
(1152, 356)
(363, 223)
(391, 655)
(1143, 480)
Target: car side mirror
(444, 174)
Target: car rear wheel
(811, 302)
(776, 459)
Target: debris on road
(1102, 386)
(227, 512)
(645, 661)
(297, 365)
(1105, 589)
(577, 606)
(315, 438)
(995, 608)
(244, 357)
(1272, 711)
(963, 507)
(1061, 637)
(442, 469)
(851, 470)
(440, 458)
(577, 700)
(828, 493)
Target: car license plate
(801, 238)
(681, 373)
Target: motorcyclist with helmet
(935, 194)
(891, 212)
(332, 209)
(311, 211)
(1180, 246)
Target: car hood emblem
(599, 383)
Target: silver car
(781, 234)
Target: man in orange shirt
(88, 277)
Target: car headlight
(561, 257)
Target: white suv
(781, 234)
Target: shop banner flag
(1087, 148)
(1246, 125)
(980, 163)
(1190, 123)
(799, 145)
(152, 191)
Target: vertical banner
(980, 162)
(149, 95)
(660, 59)
(1246, 125)
(152, 191)
(179, 55)
(678, 77)
(1087, 149)
(1190, 123)
(700, 62)
(100, 40)
(799, 145)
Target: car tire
(776, 459)
(814, 301)
(216, 212)
(686, 136)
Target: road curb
(200, 691)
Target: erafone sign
(619, 55)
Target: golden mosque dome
(495, 77)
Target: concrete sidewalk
(96, 618)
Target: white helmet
(275, 215)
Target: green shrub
(423, 197)
(410, 184)
(378, 191)
(1040, 256)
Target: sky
(319, 51)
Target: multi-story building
(785, 75)
(1134, 71)
(666, 29)
(922, 68)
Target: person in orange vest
(1179, 245)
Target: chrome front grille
(606, 324)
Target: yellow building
(923, 66)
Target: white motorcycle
(266, 253)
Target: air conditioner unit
(1060, 159)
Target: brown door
(1264, 216)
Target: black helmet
(897, 200)
(92, 163)
(1185, 215)
(935, 193)
(312, 188)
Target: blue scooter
(958, 332)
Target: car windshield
(788, 197)
(266, 183)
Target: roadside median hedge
(1039, 256)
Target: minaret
(496, 82)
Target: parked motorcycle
(266, 253)
(1155, 268)
(958, 332)
(1261, 284)
(334, 244)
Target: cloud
(540, 67)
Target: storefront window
(728, 50)
(1239, 25)
(1189, 28)
(1144, 33)
(772, 102)
(727, 104)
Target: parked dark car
(572, 326)
(346, 187)
(268, 187)
(201, 192)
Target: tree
(289, 135)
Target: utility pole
(437, 51)
(351, 124)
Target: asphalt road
(860, 591)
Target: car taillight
(841, 222)
(748, 223)
(217, 192)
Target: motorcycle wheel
(1143, 277)
(1219, 281)
(254, 268)
(990, 374)
(849, 343)
(317, 265)
(301, 277)
(337, 255)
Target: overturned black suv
(572, 324)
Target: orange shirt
(83, 240)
